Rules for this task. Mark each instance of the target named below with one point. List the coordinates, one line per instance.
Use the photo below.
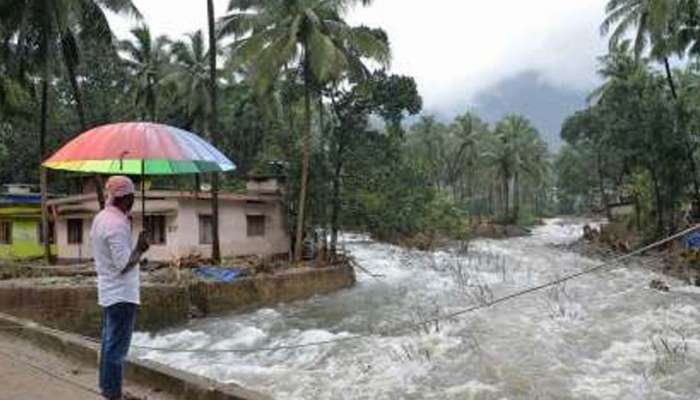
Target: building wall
(83, 251)
(232, 228)
(73, 252)
(182, 232)
(25, 241)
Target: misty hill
(545, 105)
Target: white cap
(118, 186)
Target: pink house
(179, 223)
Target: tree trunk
(637, 213)
(213, 132)
(43, 178)
(335, 206)
(659, 205)
(601, 187)
(80, 108)
(298, 244)
(688, 146)
(516, 197)
(669, 78)
(506, 197)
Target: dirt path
(28, 373)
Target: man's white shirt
(111, 248)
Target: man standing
(117, 280)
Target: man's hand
(142, 245)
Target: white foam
(589, 339)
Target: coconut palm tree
(655, 25)
(466, 130)
(213, 131)
(193, 77)
(49, 29)
(666, 27)
(515, 149)
(189, 76)
(312, 36)
(145, 59)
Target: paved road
(27, 373)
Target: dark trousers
(117, 326)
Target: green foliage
(145, 59)
(576, 186)
(638, 138)
(297, 87)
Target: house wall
(25, 241)
(83, 251)
(73, 252)
(233, 229)
(182, 232)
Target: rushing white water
(603, 336)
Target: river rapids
(605, 335)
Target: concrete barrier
(180, 384)
(263, 290)
(74, 307)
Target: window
(75, 231)
(155, 226)
(5, 232)
(40, 234)
(256, 225)
(205, 229)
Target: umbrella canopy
(136, 148)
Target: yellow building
(20, 225)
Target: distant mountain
(545, 105)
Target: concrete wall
(75, 309)
(60, 305)
(247, 293)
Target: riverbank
(610, 241)
(482, 230)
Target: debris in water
(659, 285)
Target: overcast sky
(453, 48)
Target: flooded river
(605, 335)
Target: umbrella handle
(143, 194)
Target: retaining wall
(75, 309)
(247, 293)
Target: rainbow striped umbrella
(139, 148)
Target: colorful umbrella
(139, 148)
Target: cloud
(169, 17)
(453, 48)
